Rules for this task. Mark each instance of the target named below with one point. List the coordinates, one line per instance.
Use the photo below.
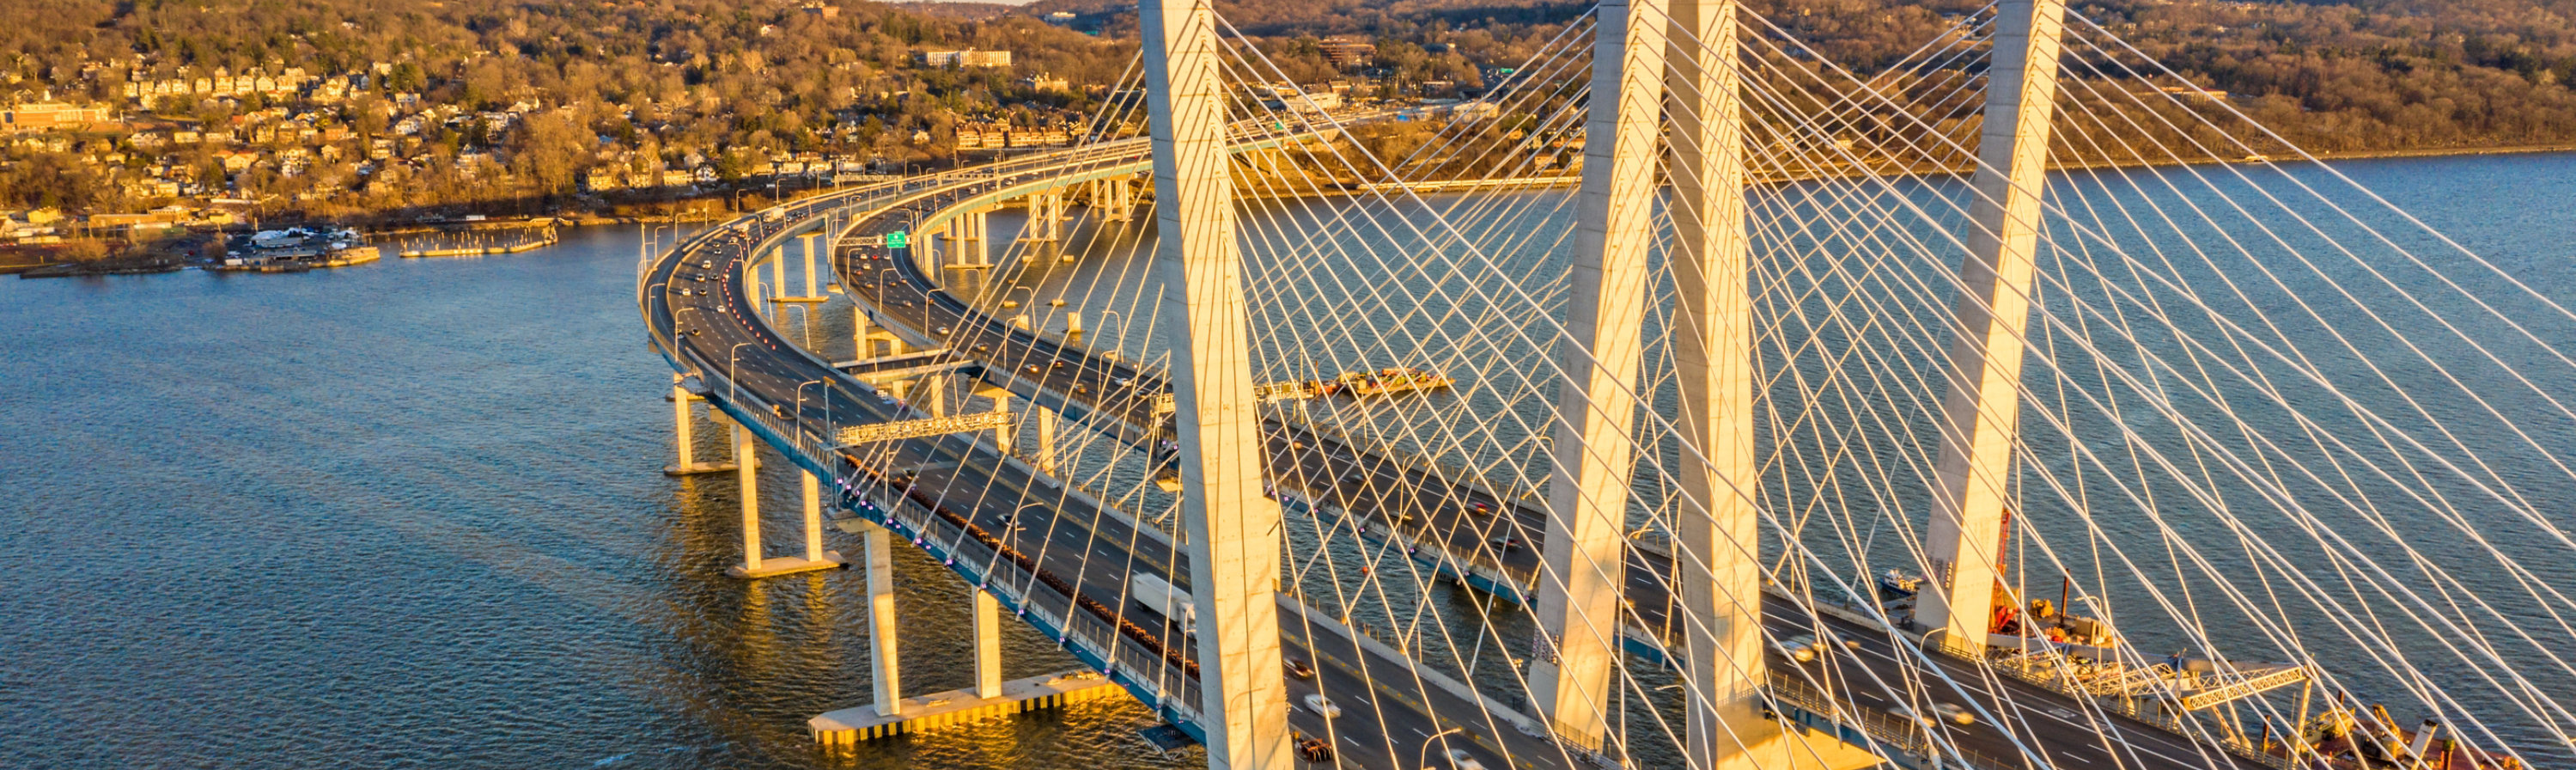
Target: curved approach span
(1062, 563)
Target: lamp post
(1118, 342)
(730, 360)
(1422, 759)
(1013, 524)
(827, 403)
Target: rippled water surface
(412, 514)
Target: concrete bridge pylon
(1981, 411)
(1233, 529)
(1717, 528)
(1579, 611)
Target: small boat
(1901, 582)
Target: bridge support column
(979, 227)
(860, 350)
(735, 440)
(925, 252)
(1980, 414)
(1046, 439)
(778, 273)
(1233, 530)
(1002, 435)
(814, 551)
(1121, 205)
(683, 415)
(988, 645)
(754, 565)
(750, 494)
(813, 291)
(930, 397)
(1717, 532)
(881, 619)
(1579, 607)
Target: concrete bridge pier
(777, 274)
(682, 417)
(754, 565)
(1046, 224)
(990, 697)
(925, 251)
(988, 645)
(864, 337)
(1003, 436)
(859, 332)
(813, 292)
(882, 629)
(932, 397)
(979, 228)
(1045, 419)
(1115, 199)
(973, 227)
(1046, 217)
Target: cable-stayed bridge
(1521, 475)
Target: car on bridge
(1323, 706)
(1314, 750)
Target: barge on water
(1384, 381)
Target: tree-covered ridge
(2333, 75)
(465, 101)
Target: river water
(410, 514)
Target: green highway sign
(898, 240)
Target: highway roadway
(714, 329)
(1425, 509)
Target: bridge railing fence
(1886, 730)
(1051, 604)
(1102, 638)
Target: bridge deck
(979, 490)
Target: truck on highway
(1172, 603)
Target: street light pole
(1013, 523)
(730, 388)
(800, 405)
(1422, 759)
(1120, 341)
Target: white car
(1458, 759)
(1321, 705)
(1955, 713)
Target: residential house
(966, 58)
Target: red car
(1315, 750)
